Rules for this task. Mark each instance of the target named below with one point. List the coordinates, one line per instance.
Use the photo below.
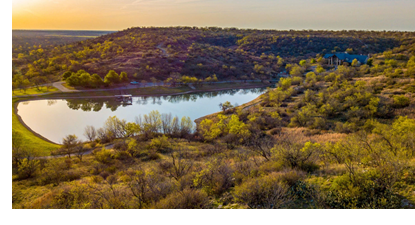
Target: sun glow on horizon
(261, 14)
(20, 4)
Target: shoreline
(50, 96)
(15, 111)
(45, 96)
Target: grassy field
(34, 91)
(31, 139)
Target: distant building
(340, 58)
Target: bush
(216, 179)
(160, 144)
(362, 192)
(263, 193)
(400, 101)
(104, 156)
(187, 199)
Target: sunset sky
(261, 14)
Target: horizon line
(275, 29)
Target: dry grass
(302, 135)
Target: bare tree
(90, 133)
(260, 143)
(166, 123)
(178, 166)
(79, 152)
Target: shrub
(216, 179)
(187, 199)
(363, 192)
(263, 193)
(297, 156)
(400, 101)
(104, 156)
(160, 144)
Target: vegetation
(28, 138)
(324, 137)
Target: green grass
(33, 91)
(31, 139)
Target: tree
(355, 63)
(28, 166)
(17, 147)
(311, 79)
(320, 69)
(160, 143)
(38, 81)
(225, 106)
(209, 130)
(25, 84)
(112, 78)
(69, 143)
(85, 79)
(284, 83)
(214, 78)
(66, 75)
(260, 143)
(186, 126)
(90, 133)
(114, 127)
(96, 80)
(303, 63)
(124, 77)
(178, 166)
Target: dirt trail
(162, 49)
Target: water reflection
(91, 104)
(54, 119)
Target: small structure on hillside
(341, 57)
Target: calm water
(54, 119)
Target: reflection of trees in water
(112, 104)
(52, 102)
(92, 104)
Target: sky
(259, 14)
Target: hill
(229, 53)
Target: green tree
(355, 63)
(96, 80)
(284, 83)
(225, 106)
(124, 77)
(112, 78)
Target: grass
(34, 91)
(31, 139)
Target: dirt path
(60, 87)
(162, 49)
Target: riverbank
(46, 146)
(31, 138)
(150, 91)
(245, 106)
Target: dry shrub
(263, 193)
(294, 135)
(186, 199)
(216, 178)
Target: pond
(54, 119)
